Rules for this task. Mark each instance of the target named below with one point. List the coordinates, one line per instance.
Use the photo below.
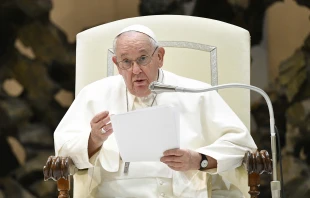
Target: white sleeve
(229, 136)
(72, 134)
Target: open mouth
(140, 82)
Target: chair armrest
(59, 169)
(256, 163)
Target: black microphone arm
(157, 87)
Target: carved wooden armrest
(59, 169)
(256, 163)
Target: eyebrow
(125, 54)
(140, 51)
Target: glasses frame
(131, 61)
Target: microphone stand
(275, 184)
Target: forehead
(133, 40)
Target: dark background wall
(37, 65)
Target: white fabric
(146, 187)
(207, 125)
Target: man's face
(131, 46)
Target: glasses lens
(125, 64)
(143, 60)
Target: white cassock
(207, 126)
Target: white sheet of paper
(144, 134)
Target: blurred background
(37, 74)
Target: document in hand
(144, 134)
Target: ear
(161, 54)
(115, 62)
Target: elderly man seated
(212, 137)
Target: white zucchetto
(139, 28)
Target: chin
(142, 93)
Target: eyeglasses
(141, 61)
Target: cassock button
(162, 194)
(161, 182)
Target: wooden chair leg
(254, 183)
(63, 188)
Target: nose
(136, 69)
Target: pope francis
(213, 139)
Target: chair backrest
(207, 50)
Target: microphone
(157, 87)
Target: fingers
(101, 123)
(100, 116)
(107, 134)
(104, 122)
(177, 159)
(175, 164)
(175, 152)
(107, 127)
(167, 159)
(177, 168)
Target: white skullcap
(139, 28)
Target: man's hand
(181, 159)
(97, 137)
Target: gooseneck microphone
(157, 87)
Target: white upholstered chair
(226, 46)
(208, 50)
